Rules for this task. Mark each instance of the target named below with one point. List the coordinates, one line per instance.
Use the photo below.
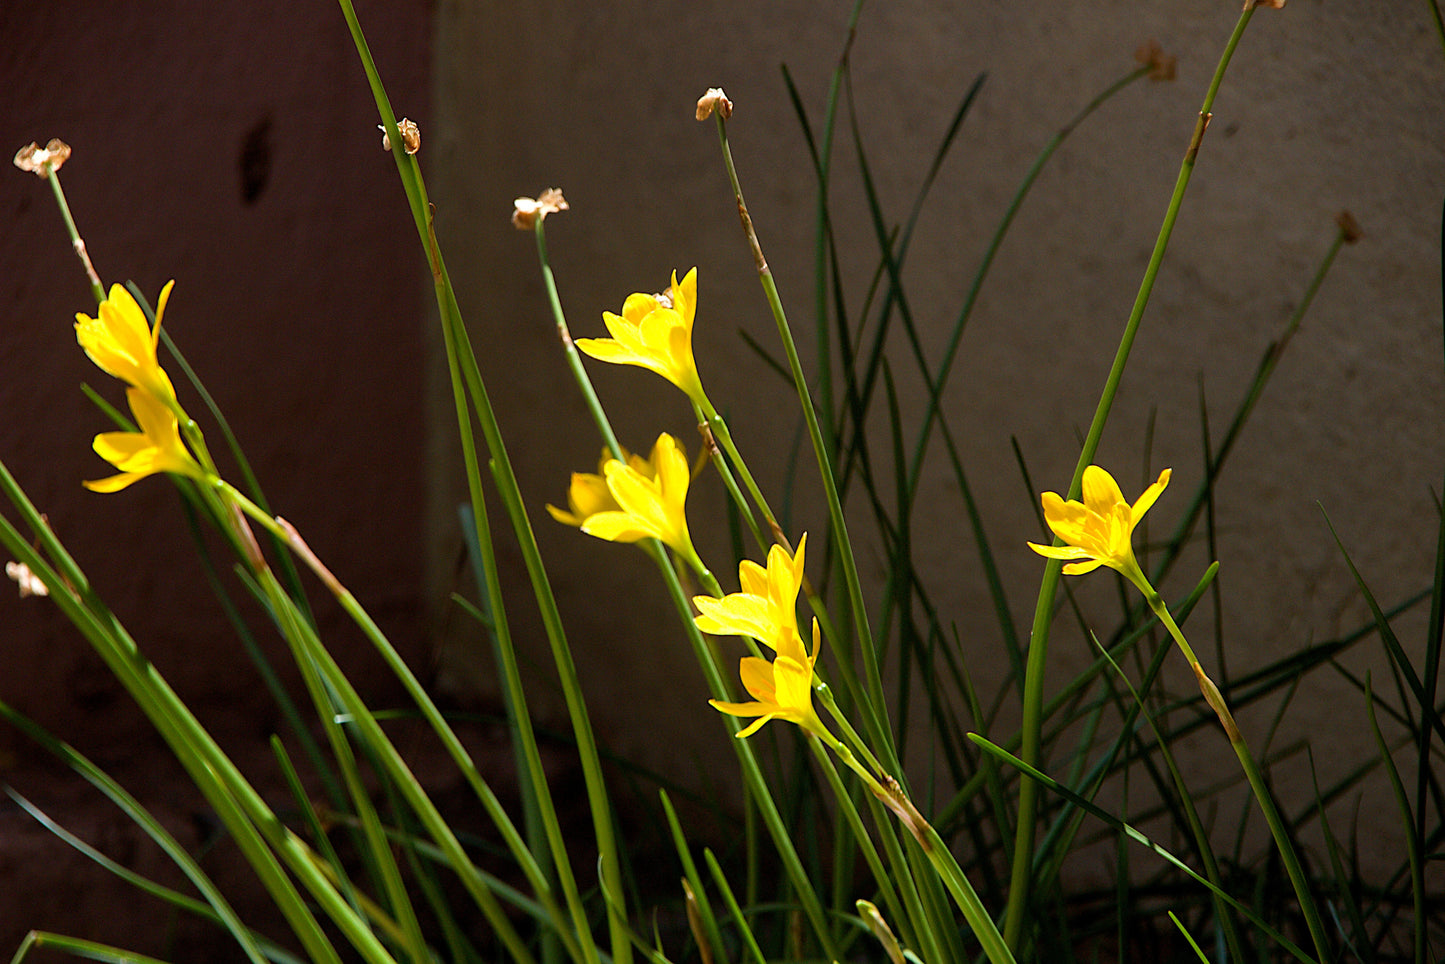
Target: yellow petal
(115, 482)
(637, 307)
(757, 676)
(737, 614)
(1059, 552)
(615, 527)
(753, 578)
(1146, 501)
(684, 296)
(1101, 492)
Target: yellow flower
(588, 494)
(639, 499)
(766, 609)
(1098, 531)
(157, 447)
(121, 344)
(655, 332)
(782, 689)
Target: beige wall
(1326, 107)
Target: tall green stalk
(466, 377)
(1031, 726)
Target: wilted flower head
(410, 136)
(29, 583)
(1151, 55)
(654, 332)
(526, 211)
(714, 100)
(40, 161)
(1350, 229)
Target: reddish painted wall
(231, 146)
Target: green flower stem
(711, 434)
(308, 650)
(895, 799)
(401, 925)
(906, 908)
(594, 404)
(825, 696)
(257, 832)
(753, 779)
(433, 715)
(1032, 720)
(250, 822)
(569, 350)
(703, 647)
(875, 708)
(718, 430)
(96, 288)
(1277, 828)
(467, 383)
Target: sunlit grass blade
(78, 947)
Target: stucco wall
(1326, 107)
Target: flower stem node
(526, 211)
(714, 100)
(40, 161)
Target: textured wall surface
(232, 146)
(1326, 107)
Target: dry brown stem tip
(29, 582)
(1349, 227)
(40, 161)
(526, 211)
(1151, 55)
(714, 100)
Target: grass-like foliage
(892, 808)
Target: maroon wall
(233, 147)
